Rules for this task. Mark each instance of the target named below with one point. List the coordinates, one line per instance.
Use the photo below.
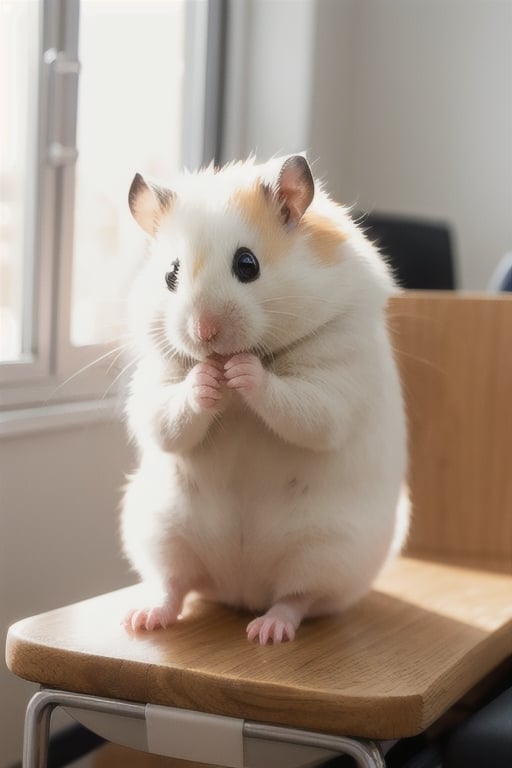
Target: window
(137, 91)
(91, 92)
(18, 78)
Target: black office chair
(419, 251)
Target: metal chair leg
(37, 730)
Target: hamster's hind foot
(280, 622)
(150, 618)
(164, 612)
(269, 629)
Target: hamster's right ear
(292, 187)
(148, 202)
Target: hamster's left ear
(148, 202)
(295, 189)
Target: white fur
(291, 487)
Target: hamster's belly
(245, 489)
(245, 498)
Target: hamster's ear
(295, 189)
(148, 202)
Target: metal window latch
(62, 83)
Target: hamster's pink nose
(205, 328)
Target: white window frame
(48, 375)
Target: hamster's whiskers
(86, 368)
(295, 315)
(274, 333)
(159, 340)
(119, 375)
(306, 297)
(264, 351)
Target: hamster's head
(239, 260)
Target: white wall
(432, 120)
(59, 496)
(269, 77)
(408, 106)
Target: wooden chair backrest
(455, 357)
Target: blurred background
(405, 109)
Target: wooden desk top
(387, 668)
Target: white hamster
(266, 403)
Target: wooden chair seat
(387, 668)
(436, 624)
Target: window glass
(18, 91)
(129, 120)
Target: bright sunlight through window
(129, 119)
(130, 92)
(18, 97)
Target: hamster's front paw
(244, 372)
(205, 381)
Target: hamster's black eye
(171, 278)
(245, 265)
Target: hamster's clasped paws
(206, 381)
(244, 372)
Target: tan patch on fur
(326, 236)
(262, 215)
(260, 212)
(198, 265)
